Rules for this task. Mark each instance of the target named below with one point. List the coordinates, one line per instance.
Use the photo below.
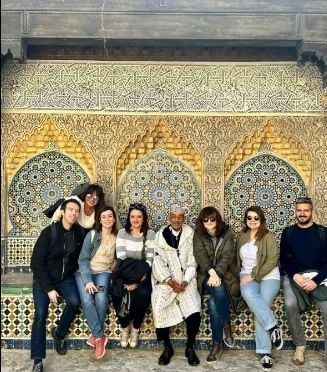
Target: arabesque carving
(160, 136)
(285, 146)
(48, 137)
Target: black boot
(166, 355)
(192, 358)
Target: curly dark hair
(145, 225)
(208, 212)
(263, 230)
(98, 225)
(98, 190)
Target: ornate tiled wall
(223, 134)
(17, 318)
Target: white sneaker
(299, 355)
(124, 335)
(134, 339)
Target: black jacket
(127, 271)
(50, 262)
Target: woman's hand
(246, 279)
(90, 288)
(214, 281)
(130, 287)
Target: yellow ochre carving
(282, 145)
(46, 138)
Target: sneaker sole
(228, 345)
(89, 343)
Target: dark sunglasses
(255, 218)
(212, 219)
(138, 206)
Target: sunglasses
(250, 218)
(137, 206)
(211, 219)
(90, 196)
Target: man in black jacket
(54, 262)
(303, 249)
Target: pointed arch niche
(42, 144)
(47, 138)
(159, 168)
(268, 169)
(159, 137)
(272, 140)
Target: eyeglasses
(211, 219)
(250, 218)
(138, 206)
(90, 196)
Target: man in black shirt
(54, 263)
(303, 258)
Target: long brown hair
(263, 230)
(98, 226)
(208, 212)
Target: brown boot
(215, 352)
(229, 339)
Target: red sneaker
(100, 347)
(91, 341)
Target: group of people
(81, 258)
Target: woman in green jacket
(257, 257)
(214, 252)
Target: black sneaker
(266, 362)
(277, 338)
(59, 343)
(37, 367)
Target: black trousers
(139, 305)
(192, 328)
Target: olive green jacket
(225, 267)
(267, 254)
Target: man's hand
(300, 280)
(184, 284)
(309, 285)
(176, 287)
(53, 295)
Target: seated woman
(96, 261)
(214, 252)
(135, 241)
(91, 200)
(260, 280)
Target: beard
(303, 220)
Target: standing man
(175, 296)
(303, 248)
(54, 262)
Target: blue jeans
(218, 309)
(259, 296)
(68, 290)
(95, 305)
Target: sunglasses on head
(211, 219)
(138, 206)
(250, 218)
(90, 196)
